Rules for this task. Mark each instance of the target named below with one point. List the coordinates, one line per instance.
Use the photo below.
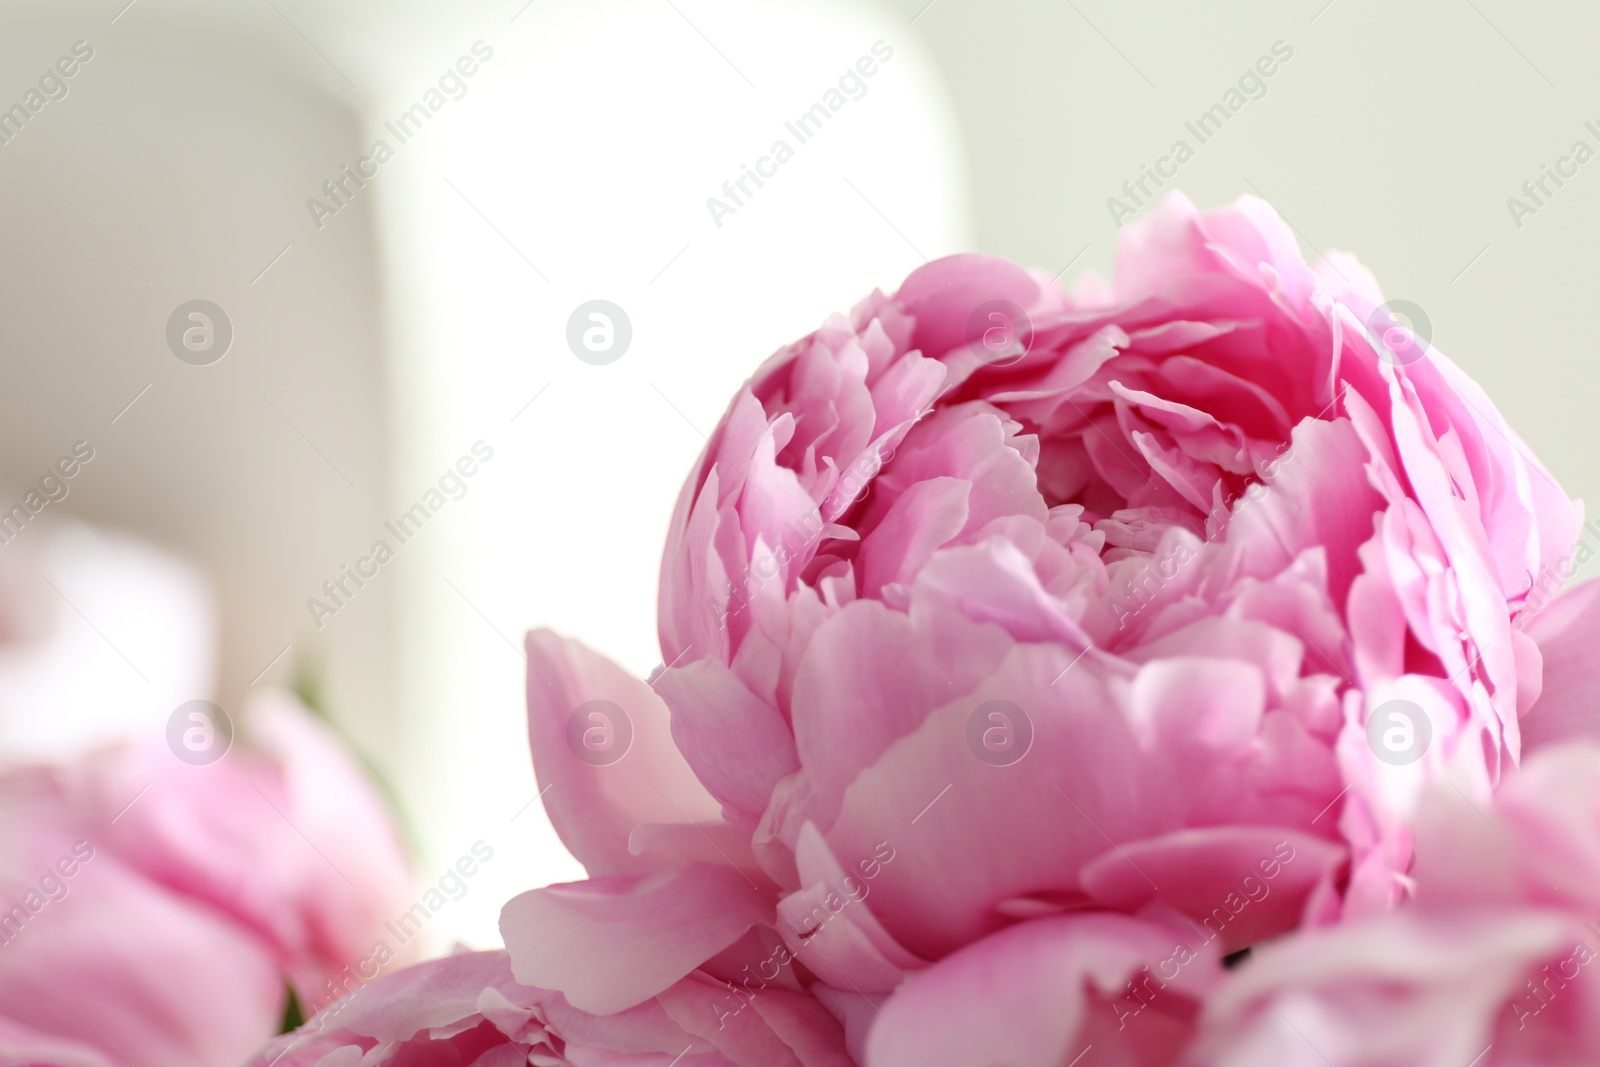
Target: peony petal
(595, 807)
(738, 745)
(610, 943)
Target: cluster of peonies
(1030, 658)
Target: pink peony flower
(1491, 965)
(1026, 654)
(1233, 519)
(151, 911)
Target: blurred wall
(175, 168)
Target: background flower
(160, 911)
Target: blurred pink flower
(152, 644)
(151, 911)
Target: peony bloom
(152, 911)
(1208, 520)
(1491, 965)
(1028, 651)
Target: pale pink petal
(610, 943)
(595, 806)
